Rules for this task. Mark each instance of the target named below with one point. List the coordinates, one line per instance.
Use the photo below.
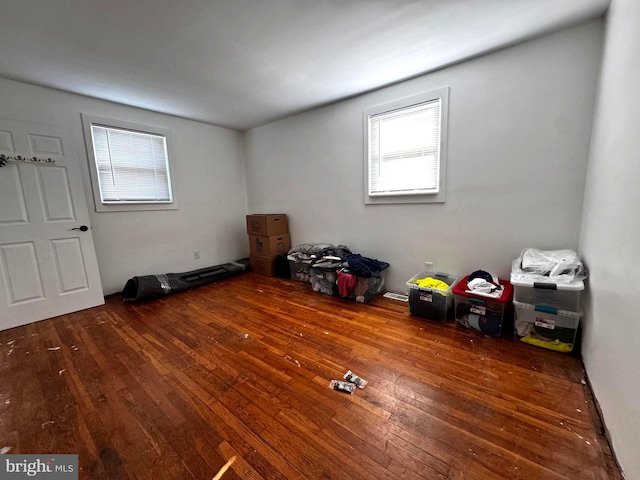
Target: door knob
(82, 228)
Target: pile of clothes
(361, 278)
(336, 270)
(430, 282)
(301, 258)
(324, 269)
(484, 284)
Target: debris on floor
(353, 378)
(342, 386)
(53, 348)
(288, 357)
(224, 468)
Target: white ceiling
(244, 63)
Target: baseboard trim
(615, 469)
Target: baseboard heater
(148, 287)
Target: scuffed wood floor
(173, 388)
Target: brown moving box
(269, 246)
(263, 265)
(267, 225)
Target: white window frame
(441, 94)
(87, 121)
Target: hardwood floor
(173, 388)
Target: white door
(48, 266)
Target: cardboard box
(263, 265)
(269, 246)
(267, 225)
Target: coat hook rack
(4, 159)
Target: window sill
(397, 199)
(134, 207)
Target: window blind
(132, 166)
(404, 150)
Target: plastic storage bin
(479, 312)
(300, 269)
(368, 288)
(301, 257)
(546, 327)
(431, 303)
(323, 280)
(562, 296)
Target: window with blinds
(405, 148)
(129, 165)
(132, 166)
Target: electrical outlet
(196, 254)
(428, 267)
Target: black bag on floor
(282, 266)
(148, 287)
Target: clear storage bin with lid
(482, 312)
(552, 278)
(562, 296)
(431, 302)
(546, 327)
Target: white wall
(610, 237)
(208, 166)
(519, 128)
